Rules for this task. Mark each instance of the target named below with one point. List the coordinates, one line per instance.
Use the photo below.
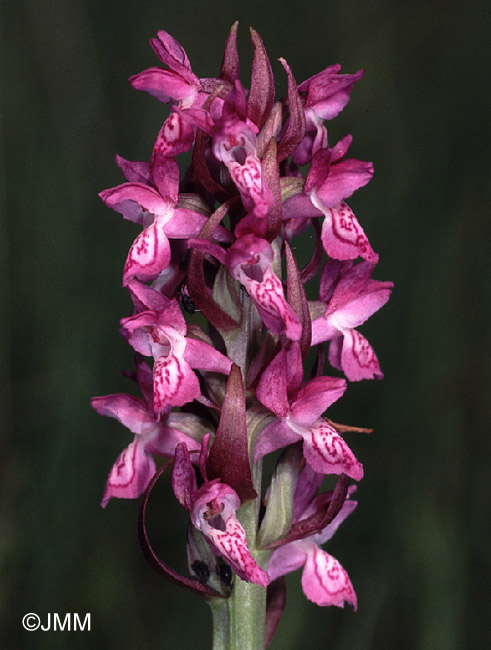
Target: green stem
(239, 621)
(220, 609)
(248, 600)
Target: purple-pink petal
(131, 411)
(149, 254)
(314, 398)
(327, 452)
(162, 84)
(213, 513)
(287, 558)
(275, 435)
(325, 582)
(342, 236)
(130, 474)
(269, 298)
(175, 384)
(131, 198)
(344, 178)
(202, 356)
(175, 136)
(356, 357)
(272, 388)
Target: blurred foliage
(416, 549)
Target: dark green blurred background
(417, 549)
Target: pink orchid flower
(156, 209)
(331, 180)
(177, 84)
(326, 95)
(135, 466)
(324, 580)
(212, 508)
(298, 417)
(234, 144)
(249, 260)
(162, 335)
(351, 297)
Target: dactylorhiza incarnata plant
(217, 246)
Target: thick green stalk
(239, 621)
(220, 609)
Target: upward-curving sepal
(230, 64)
(298, 299)
(295, 129)
(261, 97)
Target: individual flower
(325, 95)
(298, 417)
(212, 508)
(329, 181)
(177, 85)
(351, 296)
(156, 209)
(249, 260)
(135, 466)
(161, 332)
(324, 580)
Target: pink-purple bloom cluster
(212, 243)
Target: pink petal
(274, 436)
(213, 513)
(145, 298)
(327, 452)
(343, 179)
(335, 349)
(131, 411)
(130, 198)
(314, 398)
(136, 331)
(231, 544)
(308, 484)
(323, 330)
(170, 318)
(165, 443)
(175, 384)
(272, 388)
(172, 54)
(358, 310)
(248, 177)
(285, 559)
(165, 175)
(130, 475)
(162, 84)
(185, 223)
(202, 356)
(358, 360)
(270, 301)
(149, 255)
(175, 136)
(135, 172)
(299, 206)
(325, 582)
(343, 237)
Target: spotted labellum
(223, 319)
